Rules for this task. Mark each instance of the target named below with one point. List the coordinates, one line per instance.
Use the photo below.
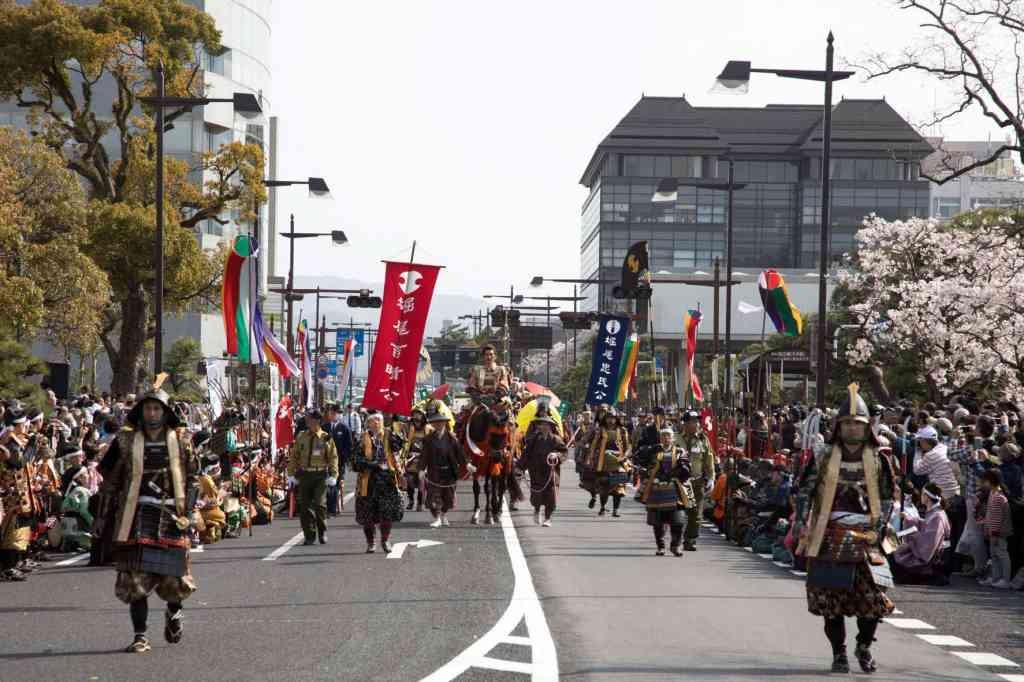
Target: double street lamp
(243, 102)
(736, 77)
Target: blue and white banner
(608, 349)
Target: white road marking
(398, 549)
(945, 640)
(73, 560)
(781, 565)
(980, 658)
(765, 556)
(294, 540)
(1012, 678)
(515, 639)
(749, 549)
(897, 612)
(524, 605)
(908, 624)
(799, 574)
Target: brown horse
(489, 436)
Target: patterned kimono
(16, 527)
(609, 453)
(377, 491)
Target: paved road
(469, 607)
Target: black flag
(635, 272)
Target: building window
(219, 63)
(945, 208)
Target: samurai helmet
(543, 413)
(853, 407)
(434, 413)
(157, 394)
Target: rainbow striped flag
(270, 348)
(238, 300)
(691, 320)
(305, 363)
(627, 369)
(784, 315)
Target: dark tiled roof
(672, 124)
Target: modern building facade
(242, 65)
(776, 151)
(996, 184)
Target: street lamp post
(337, 236)
(736, 77)
(667, 191)
(243, 102)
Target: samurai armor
(611, 460)
(830, 575)
(847, 545)
(172, 561)
(663, 495)
(617, 478)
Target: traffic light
(364, 300)
(641, 293)
(571, 320)
(500, 316)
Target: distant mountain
(444, 306)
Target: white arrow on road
(398, 549)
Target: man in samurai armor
(851, 490)
(312, 469)
(543, 454)
(152, 487)
(609, 457)
(698, 450)
(412, 457)
(667, 494)
(589, 428)
(441, 462)
(490, 378)
(378, 500)
(15, 497)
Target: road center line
(294, 540)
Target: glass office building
(776, 152)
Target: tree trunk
(876, 376)
(125, 359)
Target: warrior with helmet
(584, 465)
(667, 492)
(543, 454)
(609, 456)
(851, 489)
(441, 462)
(152, 483)
(700, 454)
(411, 458)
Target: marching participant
(584, 463)
(412, 457)
(697, 449)
(851, 490)
(609, 454)
(378, 502)
(667, 494)
(490, 378)
(16, 500)
(543, 454)
(312, 468)
(441, 461)
(152, 478)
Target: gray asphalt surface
(616, 611)
(330, 612)
(619, 612)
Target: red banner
(408, 290)
(710, 425)
(284, 427)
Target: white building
(995, 184)
(242, 65)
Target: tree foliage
(975, 50)
(947, 300)
(47, 283)
(60, 62)
(180, 364)
(17, 368)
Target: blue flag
(608, 348)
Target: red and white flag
(284, 429)
(408, 290)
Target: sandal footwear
(173, 627)
(139, 646)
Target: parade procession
(396, 341)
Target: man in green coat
(312, 468)
(697, 446)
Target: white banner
(275, 398)
(217, 385)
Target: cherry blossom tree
(946, 298)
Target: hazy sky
(466, 124)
